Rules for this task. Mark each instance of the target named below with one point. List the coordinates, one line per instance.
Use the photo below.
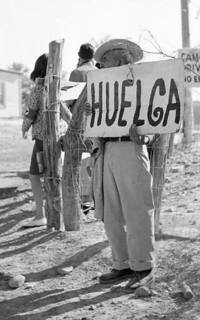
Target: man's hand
(87, 108)
(25, 134)
(134, 136)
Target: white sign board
(150, 95)
(191, 60)
(72, 92)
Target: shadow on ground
(75, 260)
(39, 300)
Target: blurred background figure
(85, 65)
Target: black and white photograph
(100, 160)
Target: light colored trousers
(128, 205)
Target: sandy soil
(36, 253)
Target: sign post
(191, 60)
(188, 110)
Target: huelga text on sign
(151, 98)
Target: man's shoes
(115, 276)
(140, 278)
(35, 223)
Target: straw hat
(124, 44)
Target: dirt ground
(36, 253)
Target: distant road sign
(191, 60)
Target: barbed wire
(173, 57)
(160, 53)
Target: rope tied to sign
(132, 80)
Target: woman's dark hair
(40, 67)
(86, 51)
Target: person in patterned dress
(34, 118)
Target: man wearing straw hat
(126, 199)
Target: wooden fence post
(158, 160)
(171, 144)
(188, 116)
(52, 150)
(188, 107)
(73, 146)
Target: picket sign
(71, 90)
(149, 94)
(191, 60)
